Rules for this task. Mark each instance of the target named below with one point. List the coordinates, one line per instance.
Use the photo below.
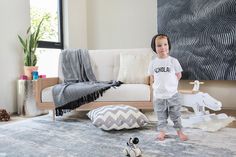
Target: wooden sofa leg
(53, 114)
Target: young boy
(165, 71)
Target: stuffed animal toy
(132, 150)
(4, 116)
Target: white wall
(121, 23)
(15, 19)
(105, 24)
(75, 23)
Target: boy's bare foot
(182, 136)
(161, 136)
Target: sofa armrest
(42, 83)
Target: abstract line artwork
(203, 36)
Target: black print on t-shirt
(162, 69)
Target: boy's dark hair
(153, 45)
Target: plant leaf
(23, 43)
(38, 30)
(28, 30)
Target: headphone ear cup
(135, 140)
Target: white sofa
(106, 66)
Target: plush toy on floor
(132, 150)
(4, 116)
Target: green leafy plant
(30, 45)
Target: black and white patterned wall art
(203, 36)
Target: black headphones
(153, 44)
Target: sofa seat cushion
(114, 117)
(126, 92)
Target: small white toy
(132, 150)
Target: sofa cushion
(115, 117)
(126, 92)
(106, 63)
(104, 69)
(134, 68)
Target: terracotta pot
(28, 71)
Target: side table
(25, 99)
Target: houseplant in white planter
(29, 45)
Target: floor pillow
(117, 117)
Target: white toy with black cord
(132, 150)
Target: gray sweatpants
(168, 107)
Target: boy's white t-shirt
(165, 81)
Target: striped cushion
(117, 117)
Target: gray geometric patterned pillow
(114, 117)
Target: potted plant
(29, 46)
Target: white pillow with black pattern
(117, 117)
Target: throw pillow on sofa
(134, 68)
(114, 117)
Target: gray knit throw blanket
(80, 85)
